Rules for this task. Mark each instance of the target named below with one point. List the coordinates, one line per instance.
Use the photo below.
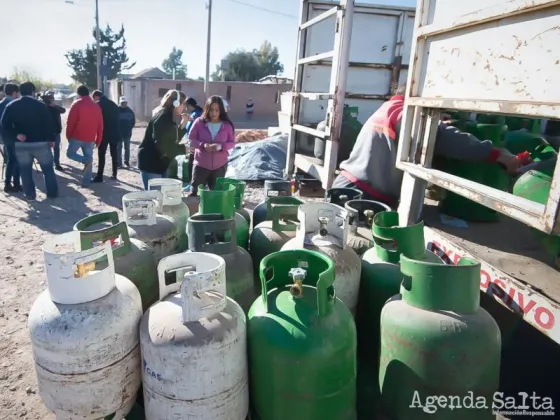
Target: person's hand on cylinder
(509, 161)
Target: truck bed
(515, 270)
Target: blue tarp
(259, 160)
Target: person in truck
(371, 166)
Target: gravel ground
(24, 227)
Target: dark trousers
(12, 176)
(102, 151)
(56, 150)
(203, 176)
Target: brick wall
(145, 95)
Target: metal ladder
(343, 12)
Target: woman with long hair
(161, 139)
(212, 136)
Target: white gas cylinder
(142, 214)
(173, 206)
(84, 333)
(324, 227)
(194, 360)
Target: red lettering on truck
(513, 298)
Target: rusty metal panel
(512, 58)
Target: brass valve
(369, 217)
(82, 270)
(298, 276)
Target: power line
(263, 9)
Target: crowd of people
(31, 130)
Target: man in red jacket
(84, 130)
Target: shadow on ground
(60, 214)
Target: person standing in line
(111, 134)
(84, 131)
(161, 139)
(249, 108)
(127, 121)
(56, 112)
(11, 177)
(212, 136)
(29, 121)
(193, 111)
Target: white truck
(482, 56)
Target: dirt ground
(24, 227)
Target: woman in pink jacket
(212, 136)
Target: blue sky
(153, 27)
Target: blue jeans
(56, 150)
(85, 158)
(126, 142)
(12, 166)
(26, 153)
(146, 176)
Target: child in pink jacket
(212, 136)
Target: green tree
(174, 62)
(21, 76)
(84, 62)
(267, 60)
(250, 66)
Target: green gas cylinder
(223, 202)
(522, 141)
(491, 174)
(133, 258)
(271, 235)
(349, 131)
(436, 341)
(207, 233)
(272, 188)
(381, 277)
(544, 152)
(301, 342)
(535, 185)
(239, 195)
(491, 119)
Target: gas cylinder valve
(298, 276)
(323, 228)
(369, 217)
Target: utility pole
(209, 33)
(98, 42)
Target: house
(145, 93)
(152, 73)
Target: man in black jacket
(56, 112)
(29, 122)
(127, 122)
(111, 134)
